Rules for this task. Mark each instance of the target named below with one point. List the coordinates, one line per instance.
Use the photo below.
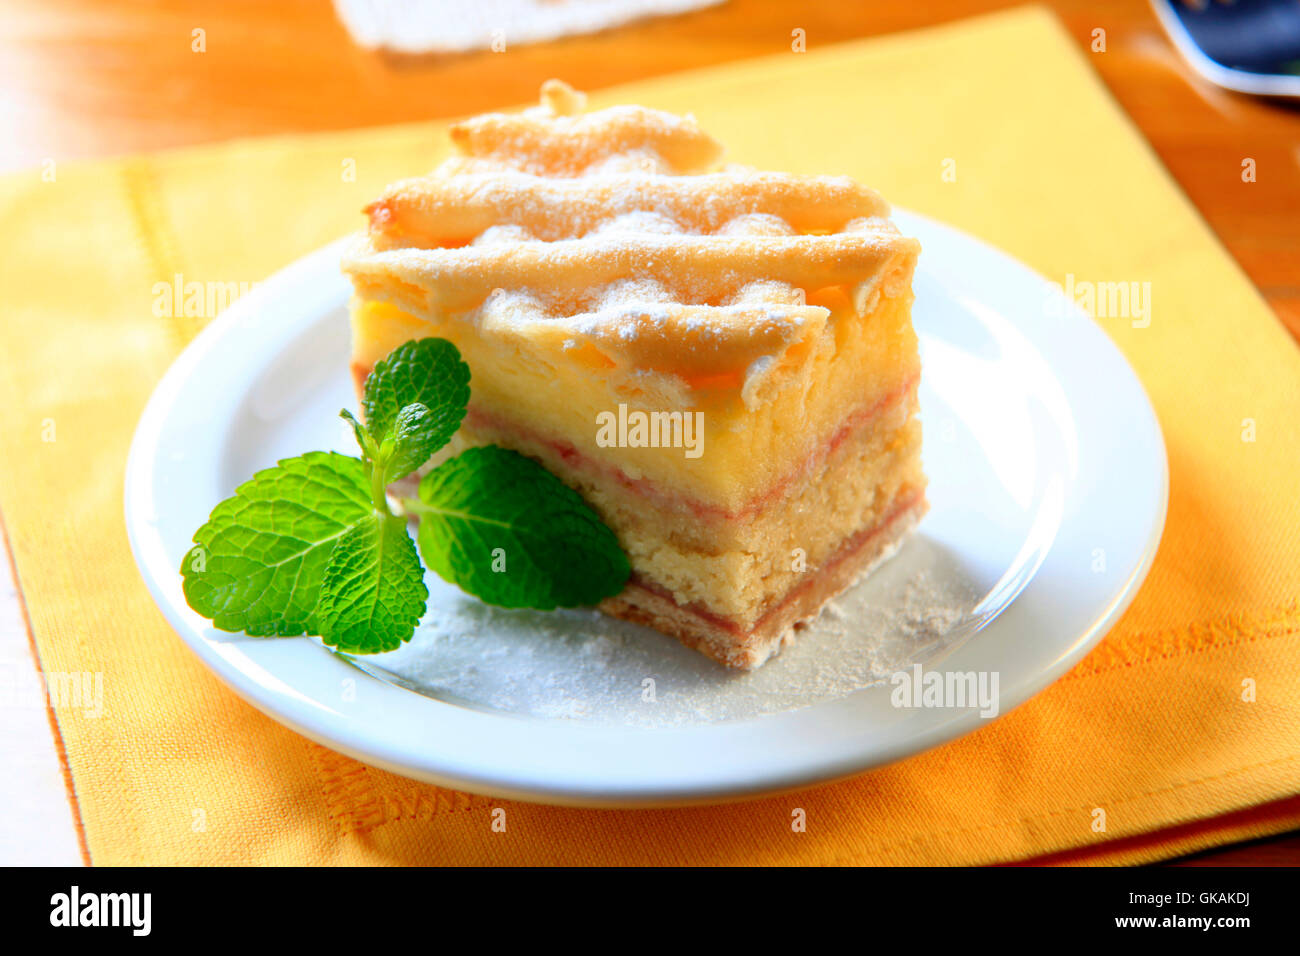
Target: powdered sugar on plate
(582, 665)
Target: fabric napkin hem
(51, 714)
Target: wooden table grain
(82, 78)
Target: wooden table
(81, 78)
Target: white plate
(1048, 487)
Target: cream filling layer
(749, 441)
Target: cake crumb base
(778, 628)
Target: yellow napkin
(1156, 727)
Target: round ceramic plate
(1047, 502)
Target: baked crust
(643, 603)
(620, 231)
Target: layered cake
(720, 360)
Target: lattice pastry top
(619, 228)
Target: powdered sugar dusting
(582, 665)
(622, 224)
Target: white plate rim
(572, 763)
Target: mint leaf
(358, 432)
(426, 372)
(257, 564)
(509, 532)
(311, 547)
(373, 592)
(416, 435)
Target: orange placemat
(997, 125)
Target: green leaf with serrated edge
(258, 562)
(373, 592)
(416, 435)
(509, 532)
(427, 372)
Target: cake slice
(721, 361)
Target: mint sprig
(426, 372)
(510, 533)
(373, 589)
(311, 545)
(257, 565)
